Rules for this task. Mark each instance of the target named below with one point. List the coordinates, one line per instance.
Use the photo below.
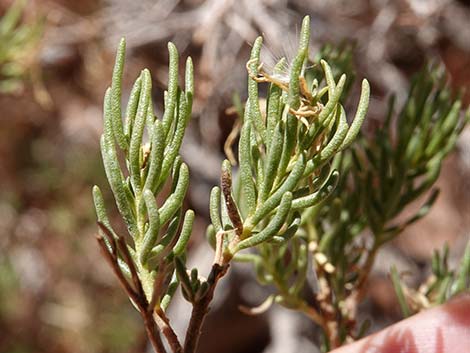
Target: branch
(201, 308)
(159, 315)
(135, 294)
(164, 324)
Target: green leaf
(175, 200)
(214, 208)
(319, 196)
(297, 65)
(172, 148)
(132, 105)
(189, 81)
(100, 208)
(170, 102)
(113, 170)
(116, 89)
(183, 278)
(360, 115)
(151, 236)
(246, 174)
(272, 228)
(172, 286)
(156, 156)
(463, 275)
(137, 133)
(272, 163)
(336, 141)
(255, 115)
(288, 186)
(274, 107)
(180, 245)
(399, 292)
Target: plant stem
(153, 336)
(136, 293)
(312, 314)
(164, 326)
(201, 308)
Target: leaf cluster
(380, 175)
(280, 157)
(442, 284)
(150, 189)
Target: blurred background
(56, 293)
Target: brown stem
(158, 285)
(325, 320)
(201, 308)
(152, 334)
(351, 301)
(136, 294)
(326, 315)
(219, 267)
(232, 210)
(164, 325)
(313, 315)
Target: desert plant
(380, 175)
(297, 205)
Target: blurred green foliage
(18, 47)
